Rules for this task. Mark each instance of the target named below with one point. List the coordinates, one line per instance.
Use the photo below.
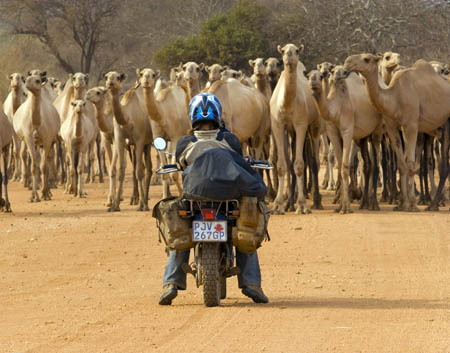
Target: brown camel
(416, 101)
(191, 72)
(6, 138)
(353, 117)
(292, 109)
(37, 122)
(130, 123)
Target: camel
(191, 72)
(237, 75)
(15, 98)
(273, 70)
(37, 122)
(416, 101)
(245, 112)
(77, 133)
(130, 123)
(292, 108)
(6, 137)
(353, 117)
(167, 114)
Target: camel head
(230, 73)
(37, 72)
(363, 63)
(78, 106)
(34, 83)
(259, 69)
(339, 74)
(314, 78)
(114, 80)
(174, 71)
(147, 77)
(16, 81)
(440, 68)
(273, 68)
(96, 94)
(80, 80)
(290, 54)
(192, 71)
(389, 60)
(325, 69)
(215, 71)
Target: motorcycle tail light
(208, 213)
(182, 213)
(235, 213)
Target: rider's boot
(170, 293)
(256, 293)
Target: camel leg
(384, 166)
(299, 167)
(156, 178)
(335, 139)
(80, 169)
(139, 151)
(347, 142)
(279, 134)
(135, 195)
(70, 167)
(331, 162)
(410, 136)
(324, 152)
(45, 173)
(148, 174)
(175, 176)
(315, 166)
(24, 164)
(120, 146)
(15, 156)
(443, 167)
(4, 204)
(99, 158)
(165, 177)
(430, 167)
(375, 140)
(34, 171)
(364, 204)
(112, 172)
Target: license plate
(213, 231)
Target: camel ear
(280, 50)
(377, 59)
(29, 73)
(224, 68)
(251, 62)
(301, 48)
(72, 103)
(201, 66)
(44, 80)
(86, 78)
(9, 78)
(207, 69)
(138, 72)
(70, 76)
(305, 73)
(43, 73)
(184, 67)
(122, 77)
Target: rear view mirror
(160, 144)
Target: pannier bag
(251, 226)
(176, 231)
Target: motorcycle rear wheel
(211, 274)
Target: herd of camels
(370, 115)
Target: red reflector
(208, 213)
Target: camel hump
(215, 86)
(129, 95)
(424, 66)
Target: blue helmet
(205, 107)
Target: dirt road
(75, 278)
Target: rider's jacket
(190, 147)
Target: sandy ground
(75, 278)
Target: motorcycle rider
(205, 111)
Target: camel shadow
(85, 212)
(348, 303)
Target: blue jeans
(247, 263)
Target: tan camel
(292, 108)
(100, 98)
(37, 122)
(6, 138)
(273, 70)
(353, 117)
(15, 98)
(416, 100)
(77, 133)
(192, 75)
(130, 123)
(167, 114)
(245, 112)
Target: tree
(68, 29)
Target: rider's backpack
(176, 231)
(251, 226)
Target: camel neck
(36, 109)
(100, 114)
(151, 105)
(193, 88)
(17, 94)
(320, 98)
(326, 86)
(78, 126)
(117, 108)
(377, 94)
(79, 93)
(262, 84)
(290, 83)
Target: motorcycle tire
(223, 287)
(211, 275)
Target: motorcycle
(212, 224)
